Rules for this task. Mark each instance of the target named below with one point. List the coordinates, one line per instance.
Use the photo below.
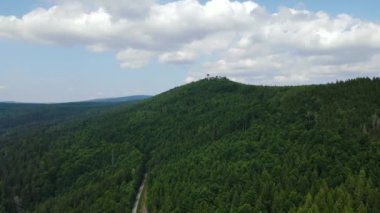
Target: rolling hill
(209, 146)
(14, 115)
(121, 99)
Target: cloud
(299, 46)
(133, 59)
(240, 40)
(118, 8)
(2, 87)
(177, 57)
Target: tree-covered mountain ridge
(208, 146)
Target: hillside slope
(209, 146)
(26, 115)
(121, 99)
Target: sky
(65, 50)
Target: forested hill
(121, 99)
(28, 115)
(209, 146)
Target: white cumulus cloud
(240, 40)
(132, 58)
(177, 57)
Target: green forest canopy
(209, 146)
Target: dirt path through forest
(139, 198)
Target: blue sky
(38, 65)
